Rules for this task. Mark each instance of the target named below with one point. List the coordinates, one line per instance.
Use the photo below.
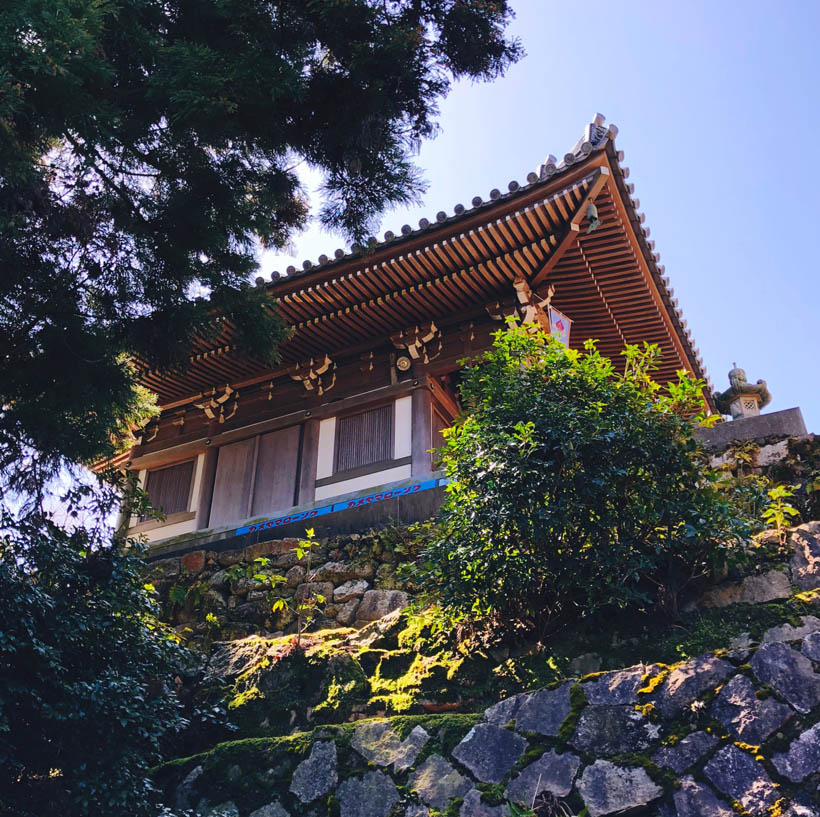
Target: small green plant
(542, 805)
(743, 455)
(779, 512)
(177, 594)
(258, 570)
(306, 608)
(747, 492)
(519, 811)
(213, 624)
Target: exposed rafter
(607, 281)
(573, 229)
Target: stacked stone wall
(231, 593)
(736, 731)
(364, 576)
(783, 460)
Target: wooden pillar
(206, 488)
(308, 459)
(422, 459)
(124, 515)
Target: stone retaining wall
(361, 579)
(358, 578)
(783, 460)
(731, 732)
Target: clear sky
(717, 107)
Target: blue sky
(717, 109)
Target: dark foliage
(87, 673)
(575, 488)
(147, 148)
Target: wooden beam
(177, 452)
(447, 401)
(206, 488)
(646, 272)
(308, 461)
(167, 456)
(422, 425)
(573, 229)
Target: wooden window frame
(369, 468)
(177, 516)
(171, 519)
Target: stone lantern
(742, 399)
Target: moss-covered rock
(412, 663)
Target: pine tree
(147, 147)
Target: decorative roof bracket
(423, 343)
(317, 375)
(147, 433)
(499, 310)
(532, 308)
(214, 406)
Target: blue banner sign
(358, 502)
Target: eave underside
(603, 281)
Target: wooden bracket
(532, 308)
(317, 375)
(423, 343)
(147, 433)
(500, 311)
(466, 333)
(366, 364)
(215, 404)
(178, 421)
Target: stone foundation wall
(231, 593)
(783, 460)
(736, 731)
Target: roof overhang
(608, 280)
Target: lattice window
(169, 488)
(363, 439)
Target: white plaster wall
(167, 531)
(199, 467)
(403, 427)
(142, 476)
(327, 438)
(362, 483)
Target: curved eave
(657, 273)
(608, 281)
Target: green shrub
(575, 487)
(87, 690)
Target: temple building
(340, 433)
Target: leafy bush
(87, 692)
(575, 487)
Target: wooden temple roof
(451, 269)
